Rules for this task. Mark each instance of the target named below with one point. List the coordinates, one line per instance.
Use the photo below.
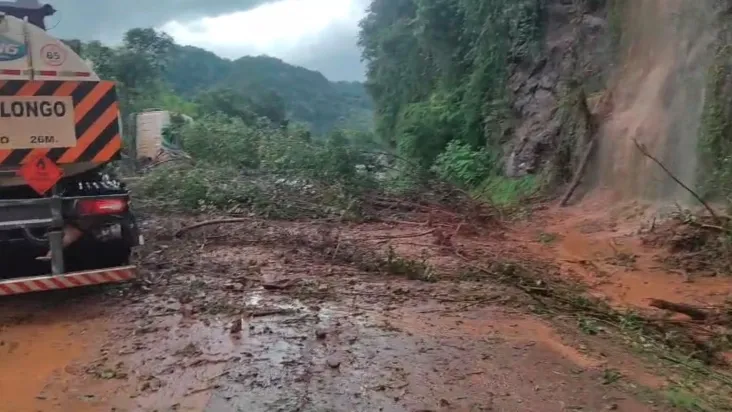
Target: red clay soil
(608, 250)
(230, 319)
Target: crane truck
(65, 221)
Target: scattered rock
(321, 333)
(333, 362)
(401, 291)
(236, 326)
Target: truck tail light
(95, 207)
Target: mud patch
(289, 316)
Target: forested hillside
(309, 97)
(511, 93)
(447, 77)
(504, 98)
(189, 76)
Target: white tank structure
(149, 133)
(28, 52)
(150, 144)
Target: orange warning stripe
(83, 142)
(29, 89)
(66, 281)
(110, 150)
(91, 99)
(96, 116)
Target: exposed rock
(333, 362)
(539, 87)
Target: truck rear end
(64, 221)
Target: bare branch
(184, 230)
(578, 174)
(645, 153)
(691, 311)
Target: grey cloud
(109, 19)
(335, 53)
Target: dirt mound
(694, 247)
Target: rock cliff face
(621, 72)
(578, 49)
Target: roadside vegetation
(429, 150)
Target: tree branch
(578, 174)
(691, 311)
(644, 151)
(210, 223)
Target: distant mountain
(309, 97)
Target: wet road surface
(242, 327)
(304, 359)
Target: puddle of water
(257, 299)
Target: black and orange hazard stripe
(96, 112)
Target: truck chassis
(31, 227)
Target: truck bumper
(17, 286)
(50, 215)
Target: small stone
(321, 333)
(235, 326)
(333, 362)
(401, 291)
(612, 407)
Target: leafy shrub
(185, 187)
(505, 191)
(220, 139)
(462, 166)
(260, 169)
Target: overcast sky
(317, 34)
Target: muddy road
(298, 317)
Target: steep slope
(658, 97)
(528, 84)
(309, 97)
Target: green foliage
(334, 161)
(192, 70)
(504, 191)
(198, 188)
(716, 132)
(477, 171)
(459, 164)
(262, 169)
(137, 67)
(152, 71)
(272, 86)
(437, 70)
(419, 49)
(425, 129)
(219, 139)
(247, 108)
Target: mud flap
(19, 286)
